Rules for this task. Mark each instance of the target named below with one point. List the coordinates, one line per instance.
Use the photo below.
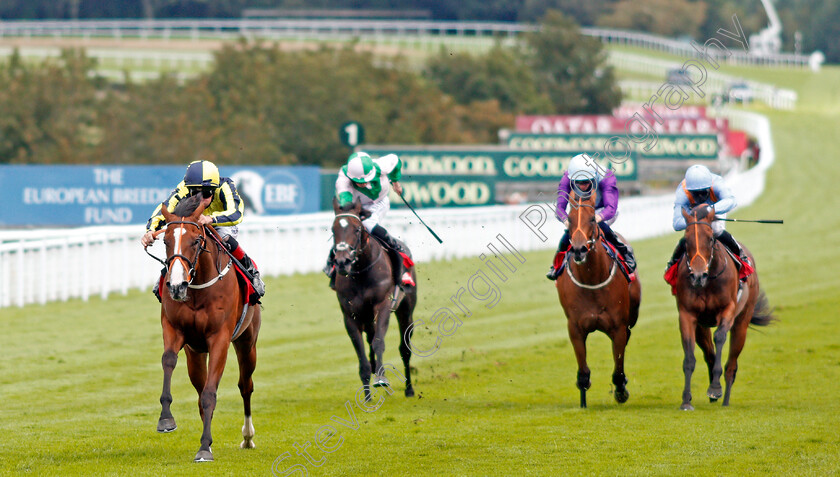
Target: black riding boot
(565, 242)
(248, 265)
(156, 288)
(394, 249)
(256, 281)
(678, 252)
(729, 241)
(624, 248)
(329, 268)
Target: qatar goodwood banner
(113, 195)
(671, 146)
(606, 124)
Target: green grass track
(80, 382)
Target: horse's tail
(762, 313)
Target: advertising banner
(605, 124)
(672, 146)
(502, 163)
(99, 195)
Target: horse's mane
(186, 207)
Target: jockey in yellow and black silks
(224, 211)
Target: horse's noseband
(199, 244)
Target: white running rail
(40, 266)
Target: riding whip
(753, 221)
(421, 220)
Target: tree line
(262, 104)
(818, 21)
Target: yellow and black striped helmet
(202, 174)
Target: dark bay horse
(708, 296)
(594, 296)
(200, 313)
(363, 285)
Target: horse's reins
(354, 252)
(589, 244)
(188, 264)
(697, 252)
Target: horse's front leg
(619, 346)
(354, 331)
(726, 319)
(688, 322)
(173, 341)
(382, 312)
(218, 349)
(578, 339)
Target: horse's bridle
(697, 252)
(189, 265)
(344, 246)
(590, 242)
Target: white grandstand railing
(298, 29)
(39, 266)
(715, 82)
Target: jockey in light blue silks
(582, 175)
(369, 180)
(700, 186)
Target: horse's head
(700, 243)
(184, 240)
(349, 235)
(582, 226)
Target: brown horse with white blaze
(708, 295)
(595, 297)
(204, 310)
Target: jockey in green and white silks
(370, 180)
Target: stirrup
(257, 283)
(552, 274)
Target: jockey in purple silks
(582, 176)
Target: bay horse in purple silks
(594, 296)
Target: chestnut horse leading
(707, 292)
(201, 313)
(594, 296)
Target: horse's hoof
(714, 394)
(409, 392)
(622, 396)
(166, 425)
(249, 444)
(713, 399)
(380, 382)
(686, 407)
(204, 456)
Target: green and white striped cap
(360, 168)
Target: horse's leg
(404, 319)
(726, 321)
(736, 345)
(355, 334)
(173, 341)
(370, 333)
(218, 347)
(687, 327)
(246, 355)
(197, 369)
(619, 344)
(704, 340)
(578, 339)
(382, 312)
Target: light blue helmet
(698, 177)
(582, 168)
